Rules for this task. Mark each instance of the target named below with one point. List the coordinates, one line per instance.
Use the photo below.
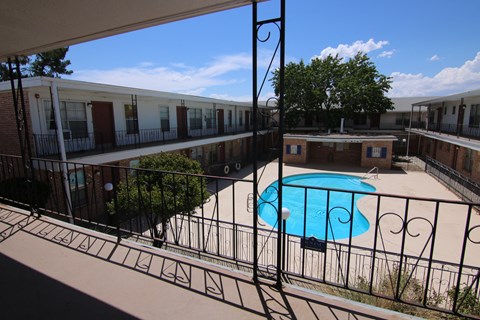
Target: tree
(168, 186)
(24, 66)
(50, 64)
(330, 88)
(45, 64)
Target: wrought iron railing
(462, 185)
(46, 144)
(459, 130)
(419, 251)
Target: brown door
(182, 127)
(220, 122)
(103, 124)
(439, 118)
(221, 152)
(461, 113)
(375, 120)
(247, 120)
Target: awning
(28, 27)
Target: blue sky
(428, 47)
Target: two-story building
(110, 124)
(451, 132)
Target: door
(220, 121)
(439, 118)
(375, 120)
(461, 113)
(182, 127)
(103, 124)
(247, 120)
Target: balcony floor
(49, 269)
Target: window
(74, 119)
(78, 191)
(474, 120)
(453, 109)
(468, 160)
(376, 152)
(209, 118)
(164, 118)
(195, 118)
(294, 149)
(360, 119)
(131, 118)
(402, 120)
(240, 118)
(230, 113)
(445, 110)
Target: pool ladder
(373, 173)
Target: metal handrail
(374, 175)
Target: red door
(103, 124)
(220, 122)
(182, 127)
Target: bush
(20, 190)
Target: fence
(418, 251)
(468, 189)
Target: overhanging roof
(453, 97)
(28, 27)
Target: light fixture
(108, 186)
(285, 213)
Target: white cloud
(179, 77)
(435, 58)
(350, 50)
(386, 54)
(447, 81)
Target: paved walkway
(49, 269)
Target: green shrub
(20, 190)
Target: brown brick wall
(383, 163)
(348, 153)
(9, 143)
(295, 158)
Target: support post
(281, 102)
(254, 142)
(61, 146)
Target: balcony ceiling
(28, 27)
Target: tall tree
(50, 64)
(24, 69)
(331, 88)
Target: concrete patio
(49, 269)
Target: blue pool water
(294, 199)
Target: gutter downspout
(61, 146)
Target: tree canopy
(158, 193)
(49, 64)
(330, 88)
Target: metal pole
(254, 142)
(280, 248)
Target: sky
(427, 47)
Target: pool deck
(451, 218)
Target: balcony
(63, 271)
(46, 144)
(450, 129)
(418, 251)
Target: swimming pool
(294, 199)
